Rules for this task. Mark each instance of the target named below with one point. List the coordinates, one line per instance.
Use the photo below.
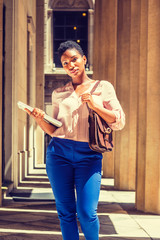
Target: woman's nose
(71, 65)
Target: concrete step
(34, 187)
(26, 195)
(35, 179)
(7, 186)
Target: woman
(72, 167)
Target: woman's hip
(72, 151)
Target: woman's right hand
(37, 114)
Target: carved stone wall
(71, 4)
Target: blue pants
(74, 166)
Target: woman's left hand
(87, 98)
(106, 114)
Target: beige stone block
(22, 75)
(153, 94)
(108, 164)
(104, 64)
(31, 7)
(126, 86)
(22, 92)
(40, 55)
(19, 81)
(22, 133)
(39, 146)
(148, 164)
(1, 28)
(142, 109)
(105, 40)
(22, 12)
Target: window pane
(69, 26)
(70, 33)
(57, 60)
(58, 18)
(56, 45)
(59, 32)
(81, 33)
(70, 18)
(82, 20)
(83, 44)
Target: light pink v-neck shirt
(68, 108)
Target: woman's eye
(65, 64)
(74, 59)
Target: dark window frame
(63, 30)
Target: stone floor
(37, 220)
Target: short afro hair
(69, 45)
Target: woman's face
(73, 63)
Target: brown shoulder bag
(100, 134)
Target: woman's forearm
(38, 115)
(46, 127)
(104, 113)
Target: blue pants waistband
(70, 142)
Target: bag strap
(92, 91)
(95, 86)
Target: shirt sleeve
(55, 105)
(111, 102)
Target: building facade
(121, 41)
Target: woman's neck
(81, 80)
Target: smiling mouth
(74, 71)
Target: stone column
(43, 7)
(39, 141)
(15, 77)
(116, 59)
(7, 128)
(148, 133)
(104, 55)
(31, 93)
(127, 80)
(90, 37)
(1, 37)
(48, 34)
